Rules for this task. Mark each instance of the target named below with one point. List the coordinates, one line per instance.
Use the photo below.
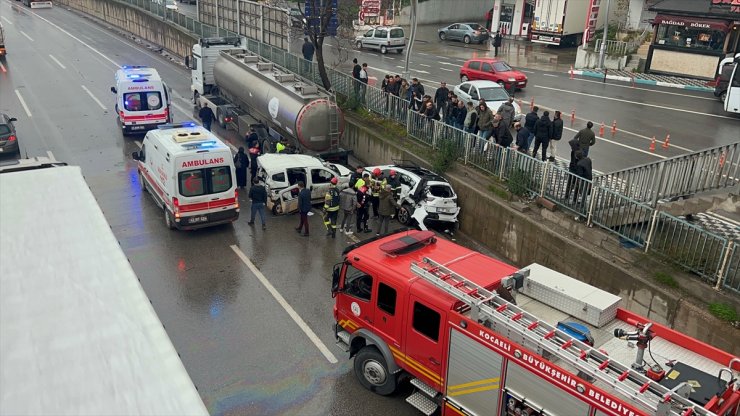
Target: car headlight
(512, 79)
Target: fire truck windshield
(357, 283)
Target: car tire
(442, 36)
(464, 78)
(168, 222)
(404, 214)
(142, 184)
(277, 209)
(383, 49)
(501, 83)
(399, 51)
(372, 372)
(466, 39)
(358, 45)
(723, 96)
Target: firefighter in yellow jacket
(331, 209)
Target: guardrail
(714, 258)
(620, 48)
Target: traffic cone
(667, 140)
(614, 127)
(652, 145)
(601, 129)
(571, 72)
(572, 117)
(531, 104)
(722, 158)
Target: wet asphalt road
(239, 345)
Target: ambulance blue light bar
(133, 66)
(177, 125)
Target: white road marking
(428, 66)
(23, 103)
(528, 72)
(94, 97)
(6, 19)
(449, 63)
(445, 69)
(57, 61)
(622, 145)
(636, 102)
(138, 143)
(422, 53)
(550, 75)
(442, 57)
(645, 89)
(50, 155)
(289, 309)
(26, 35)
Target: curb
(599, 75)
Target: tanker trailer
(283, 101)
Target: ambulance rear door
(205, 183)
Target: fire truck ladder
(506, 318)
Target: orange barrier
(572, 117)
(601, 129)
(614, 127)
(667, 140)
(652, 145)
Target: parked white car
(425, 196)
(493, 93)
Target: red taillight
(167, 112)
(120, 113)
(227, 119)
(11, 138)
(176, 207)
(236, 198)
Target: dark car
(8, 138)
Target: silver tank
(270, 95)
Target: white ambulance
(190, 174)
(142, 99)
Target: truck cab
(732, 98)
(2, 42)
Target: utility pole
(412, 36)
(602, 52)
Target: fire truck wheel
(372, 371)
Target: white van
(190, 174)
(281, 173)
(383, 38)
(142, 99)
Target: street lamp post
(412, 36)
(602, 51)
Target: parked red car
(493, 69)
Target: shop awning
(692, 22)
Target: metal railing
(620, 48)
(705, 170)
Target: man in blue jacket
(304, 206)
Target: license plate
(195, 220)
(1, 149)
(138, 127)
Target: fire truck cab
(460, 326)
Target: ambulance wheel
(372, 372)
(404, 214)
(168, 220)
(142, 184)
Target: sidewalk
(647, 79)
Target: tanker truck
(240, 86)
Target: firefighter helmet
(376, 172)
(334, 180)
(393, 172)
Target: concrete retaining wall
(140, 23)
(590, 59)
(554, 240)
(446, 11)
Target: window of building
(688, 37)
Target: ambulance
(190, 174)
(142, 99)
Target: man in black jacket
(206, 116)
(496, 43)
(542, 135)
(584, 169)
(529, 121)
(258, 195)
(503, 134)
(304, 207)
(522, 137)
(557, 134)
(440, 96)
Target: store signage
(689, 23)
(725, 6)
(593, 15)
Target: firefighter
(362, 201)
(281, 146)
(375, 183)
(331, 209)
(394, 182)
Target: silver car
(466, 32)
(383, 38)
(492, 93)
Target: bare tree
(315, 25)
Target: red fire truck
(461, 327)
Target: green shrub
(445, 156)
(519, 182)
(723, 311)
(665, 279)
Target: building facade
(692, 36)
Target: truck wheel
(404, 214)
(168, 220)
(383, 49)
(372, 372)
(142, 184)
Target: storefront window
(688, 37)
